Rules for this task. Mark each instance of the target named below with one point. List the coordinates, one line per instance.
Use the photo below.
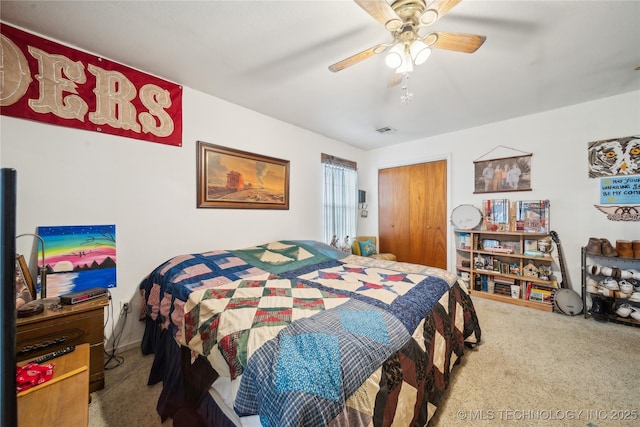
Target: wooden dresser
(54, 329)
(62, 400)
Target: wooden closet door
(412, 213)
(393, 211)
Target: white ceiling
(272, 57)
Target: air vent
(385, 129)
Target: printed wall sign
(79, 257)
(620, 190)
(614, 157)
(48, 82)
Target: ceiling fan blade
(354, 59)
(444, 6)
(436, 10)
(467, 43)
(382, 12)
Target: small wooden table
(69, 325)
(61, 401)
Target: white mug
(606, 271)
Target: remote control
(54, 354)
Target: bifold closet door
(412, 212)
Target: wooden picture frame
(25, 288)
(504, 183)
(235, 179)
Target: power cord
(111, 356)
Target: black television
(8, 398)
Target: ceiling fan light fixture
(429, 16)
(430, 39)
(395, 56)
(420, 52)
(393, 25)
(404, 19)
(407, 64)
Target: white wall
(148, 190)
(72, 177)
(558, 140)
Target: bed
(295, 332)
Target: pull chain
(406, 96)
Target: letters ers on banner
(48, 82)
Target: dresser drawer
(70, 326)
(55, 333)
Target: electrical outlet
(125, 308)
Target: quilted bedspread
(318, 362)
(313, 337)
(234, 319)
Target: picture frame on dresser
(25, 288)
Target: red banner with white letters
(45, 81)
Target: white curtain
(340, 202)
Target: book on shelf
(527, 290)
(532, 216)
(496, 214)
(464, 241)
(501, 288)
(539, 294)
(505, 280)
(530, 245)
(477, 283)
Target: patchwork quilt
(166, 289)
(234, 319)
(312, 336)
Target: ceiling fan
(404, 19)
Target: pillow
(367, 248)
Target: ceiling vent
(385, 129)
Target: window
(340, 198)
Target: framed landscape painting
(234, 179)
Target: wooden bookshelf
(493, 257)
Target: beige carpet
(533, 369)
(126, 400)
(536, 368)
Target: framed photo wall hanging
(234, 179)
(502, 174)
